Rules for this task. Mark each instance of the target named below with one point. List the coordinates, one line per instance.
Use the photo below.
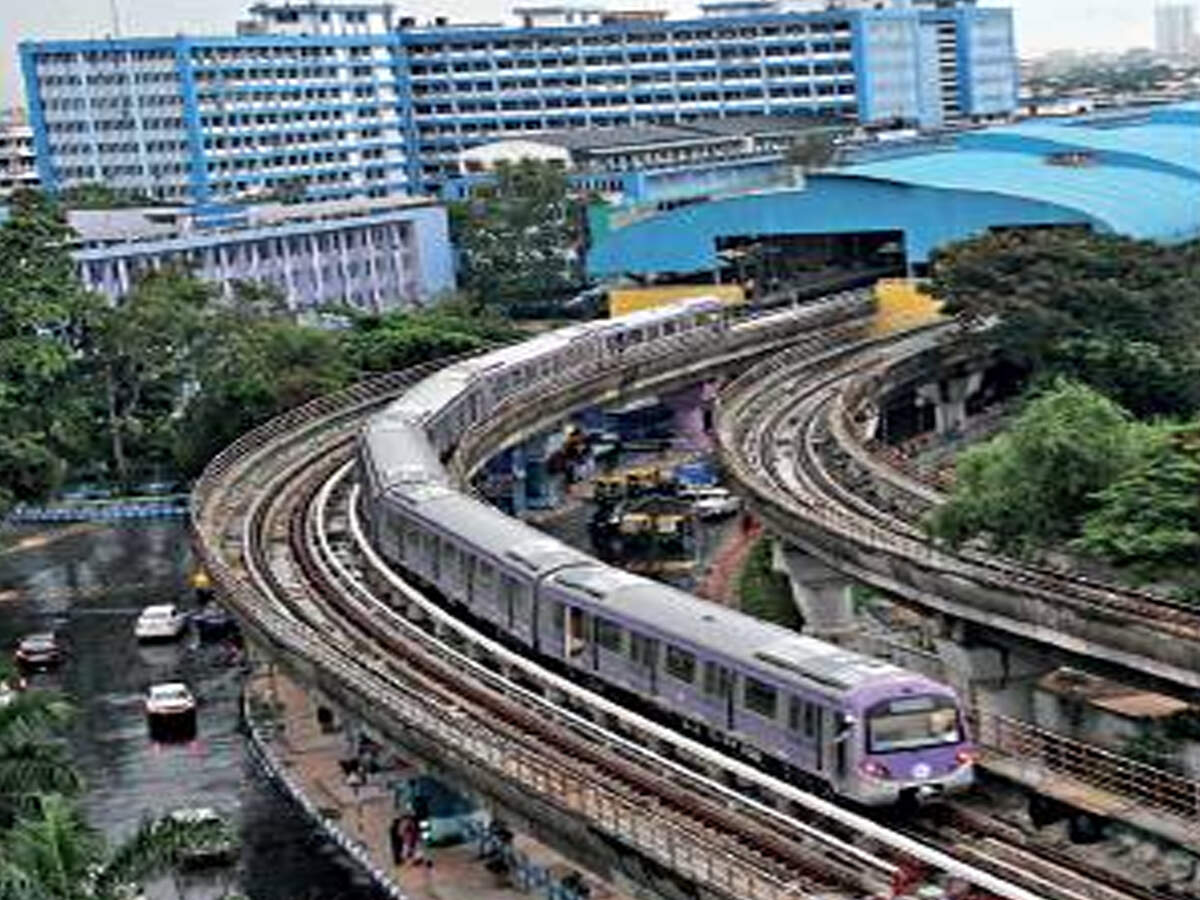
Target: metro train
(824, 716)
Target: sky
(1042, 25)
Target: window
(718, 681)
(760, 698)
(559, 617)
(802, 717)
(912, 723)
(608, 635)
(643, 650)
(681, 664)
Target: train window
(802, 717)
(643, 650)
(760, 698)
(435, 558)
(508, 595)
(608, 635)
(486, 580)
(668, 328)
(681, 664)
(718, 681)
(559, 617)
(414, 542)
(399, 541)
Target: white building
(1175, 30)
(375, 255)
(18, 164)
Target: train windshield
(912, 723)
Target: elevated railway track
(789, 434)
(277, 528)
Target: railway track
(779, 444)
(296, 570)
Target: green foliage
(51, 853)
(172, 373)
(97, 195)
(520, 237)
(765, 593)
(45, 320)
(1118, 314)
(31, 759)
(1148, 519)
(1032, 484)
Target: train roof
(485, 527)
(430, 394)
(658, 313)
(777, 653)
(399, 451)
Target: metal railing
(1048, 754)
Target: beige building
(18, 165)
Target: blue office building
(357, 100)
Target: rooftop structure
(355, 100)
(371, 254)
(1136, 175)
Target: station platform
(308, 760)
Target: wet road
(89, 583)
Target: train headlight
(873, 769)
(965, 757)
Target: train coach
(824, 716)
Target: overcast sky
(1041, 24)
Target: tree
(45, 318)
(520, 236)
(31, 761)
(811, 150)
(1119, 314)
(1033, 484)
(1148, 520)
(53, 854)
(145, 349)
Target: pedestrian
(409, 835)
(396, 840)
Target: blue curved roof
(1138, 176)
(1150, 203)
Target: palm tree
(53, 854)
(32, 761)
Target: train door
(575, 636)
(508, 600)
(469, 578)
(843, 731)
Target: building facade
(353, 100)
(373, 255)
(1175, 30)
(18, 164)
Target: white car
(162, 622)
(714, 502)
(169, 699)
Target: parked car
(38, 652)
(164, 621)
(715, 502)
(170, 700)
(214, 623)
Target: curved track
(277, 529)
(786, 434)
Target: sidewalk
(310, 756)
(719, 583)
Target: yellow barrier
(627, 300)
(901, 304)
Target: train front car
(909, 742)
